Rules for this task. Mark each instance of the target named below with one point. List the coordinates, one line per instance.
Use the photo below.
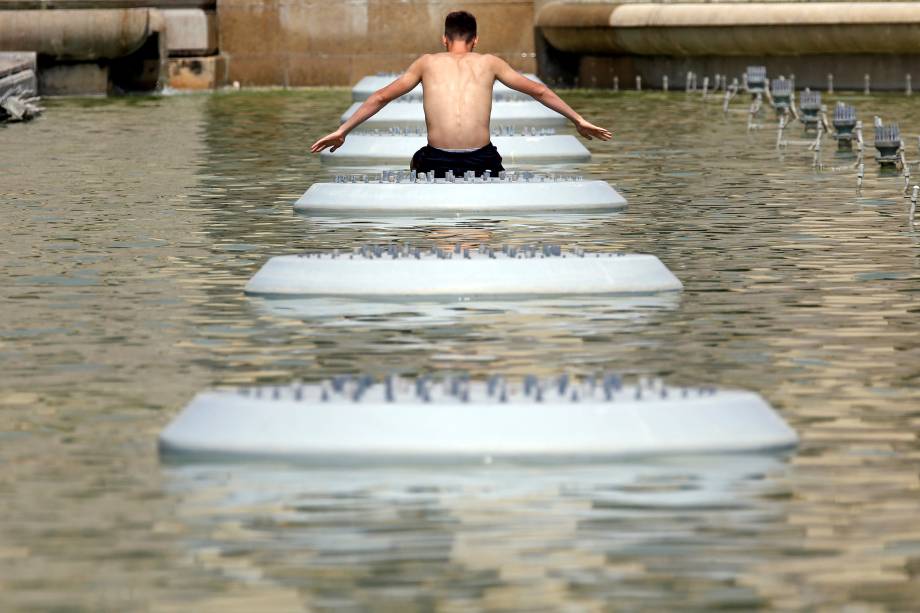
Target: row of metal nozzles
(412, 176)
(354, 388)
(755, 78)
(395, 252)
(844, 120)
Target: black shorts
(429, 159)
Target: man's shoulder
(491, 60)
(421, 63)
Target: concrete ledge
(190, 32)
(24, 80)
(197, 72)
(12, 62)
(732, 29)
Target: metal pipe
(913, 203)
(66, 34)
(732, 29)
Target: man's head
(460, 26)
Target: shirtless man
(457, 91)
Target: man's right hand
(334, 140)
(589, 131)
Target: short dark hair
(460, 24)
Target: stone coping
(731, 28)
(710, 14)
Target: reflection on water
(538, 312)
(132, 225)
(502, 536)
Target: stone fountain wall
(323, 42)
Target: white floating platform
(356, 418)
(412, 115)
(369, 84)
(363, 149)
(401, 271)
(513, 194)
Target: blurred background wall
(323, 42)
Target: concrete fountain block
(208, 72)
(190, 32)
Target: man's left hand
(589, 131)
(334, 140)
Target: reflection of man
(457, 89)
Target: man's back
(458, 99)
(458, 102)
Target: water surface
(131, 226)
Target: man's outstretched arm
(541, 93)
(403, 84)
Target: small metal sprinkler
(866, 84)
(830, 83)
(860, 171)
(664, 83)
(888, 144)
(810, 105)
(844, 125)
(782, 95)
(755, 79)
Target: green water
(131, 226)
